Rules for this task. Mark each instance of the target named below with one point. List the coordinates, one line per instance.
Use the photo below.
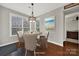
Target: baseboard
(56, 43)
(17, 41)
(8, 43)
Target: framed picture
(50, 23)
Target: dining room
(32, 29)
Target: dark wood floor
(18, 52)
(71, 49)
(7, 49)
(52, 50)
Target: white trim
(35, 26)
(30, 26)
(34, 23)
(10, 15)
(8, 43)
(56, 43)
(22, 24)
(10, 23)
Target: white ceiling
(39, 8)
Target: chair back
(20, 36)
(43, 40)
(46, 34)
(30, 41)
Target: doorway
(71, 31)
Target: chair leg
(34, 53)
(19, 44)
(25, 53)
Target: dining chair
(44, 37)
(30, 42)
(42, 41)
(20, 38)
(45, 33)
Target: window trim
(31, 26)
(10, 22)
(23, 17)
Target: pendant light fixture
(32, 18)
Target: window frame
(10, 22)
(32, 26)
(23, 17)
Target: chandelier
(32, 18)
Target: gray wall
(55, 36)
(5, 26)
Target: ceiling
(39, 8)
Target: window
(26, 25)
(18, 23)
(37, 25)
(34, 26)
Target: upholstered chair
(20, 36)
(30, 42)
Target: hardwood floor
(71, 49)
(7, 49)
(52, 50)
(18, 52)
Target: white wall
(55, 36)
(5, 26)
(0, 25)
(71, 23)
(70, 15)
